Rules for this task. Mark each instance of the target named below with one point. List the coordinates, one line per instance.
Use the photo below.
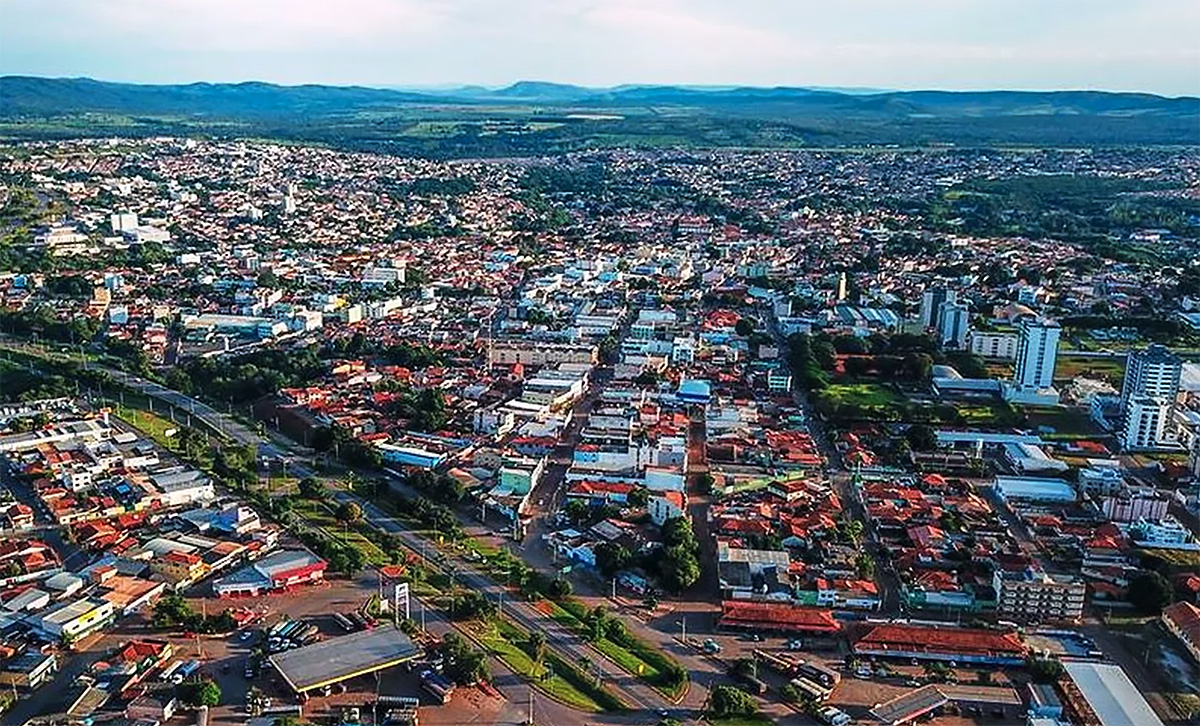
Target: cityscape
(329, 404)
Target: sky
(1127, 45)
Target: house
(1183, 620)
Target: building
(931, 306)
(1153, 372)
(996, 346)
(179, 567)
(1037, 353)
(538, 353)
(1148, 397)
(334, 660)
(1031, 595)
(29, 670)
(778, 617)
(1144, 423)
(278, 571)
(1104, 690)
(917, 705)
(73, 620)
(1183, 620)
(954, 321)
(942, 643)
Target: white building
(954, 322)
(998, 346)
(1148, 397)
(1037, 352)
(931, 305)
(1145, 423)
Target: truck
(185, 671)
(169, 671)
(306, 634)
(753, 684)
(436, 686)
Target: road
(563, 642)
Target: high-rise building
(931, 305)
(1152, 372)
(1037, 352)
(1148, 397)
(289, 199)
(955, 321)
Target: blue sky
(1143, 45)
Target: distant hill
(642, 114)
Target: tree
(745, 668)
(726, 701)
(349, 512)
(1044, 670)
(921, 437)
(1150, 592)
(744, 327)
(201, 693)
(536, 646)
(559, 588)
(310, 488)
(611, 558)
(865, 564)
(680, 568)
(789, 693)
(638, 497)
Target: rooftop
(338, 659)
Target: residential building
(1031, 595)
(954, 320)
(1037, 353)
(995, 346)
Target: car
(795, 644)
(246, 635)
(663, 713)
(912, 683)
(755, 638)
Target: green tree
(727, 701)
(536, 646)
(311, 488)
(611, 558)
(201, 693)
(349, 512)
(1150, 592)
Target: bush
(725, 701)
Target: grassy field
(508, 643)
(866, 395)
(160, 430)
(755, 720)
(319, 516)
(1068, 368)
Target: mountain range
(36, 96)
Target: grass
(159, 429)
(755, 720)
(864, 395)
(1186, 559)
(626, 660)
(317, 515)
(507, 642)
(1107, 369)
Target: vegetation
(1150, 592)
(173, 612)
(200, 693)
(727, 701)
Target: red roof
(777, 616)
(919, 638)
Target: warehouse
(278, 571)
(961, 645)
(339, 659)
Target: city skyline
(1115, 46)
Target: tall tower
(1148, 397)
(931, 305)
(955, 322)
(1037, 352)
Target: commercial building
(949, 643)
(334, 660)
(29, 670)
(538, 353)
(73, 620)
(1102, 694)
(277, 571)
(997, 702)
(774, 616)
(1031, 595)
